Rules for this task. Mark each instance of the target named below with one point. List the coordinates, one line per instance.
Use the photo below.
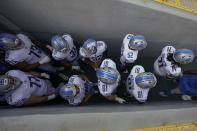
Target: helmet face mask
(146, 80)
(68, 91)
(183, 56)
(137, 43)
(90, 47)
(108, 75)
(59, 44)
(8, 83)
(10, 42)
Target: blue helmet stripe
(105, 75)
(146, 78)
(139, 38)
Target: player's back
(75, 79)
(128, 55)
(132, 88)
(30, 86)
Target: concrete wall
(107, 20)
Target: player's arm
(65, 64)
(190, 72)
(86, 99)
(24, 66)
(115, 98)
(39, 99)
(37, 74)
(85, 78)
(35, 41)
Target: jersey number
(104, 88)
(73, 52)
(34, 82)
(137, 70)
(139, 94)
(35, 51)
(130, 55)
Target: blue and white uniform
(140, 94)
(29, 53)
(127, 55)
(108, 89)
(71, 55)
(101, 48)
(164, 67)
(76, 80)
(31, 86)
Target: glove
(89, 87)
(44, 60)
(45, 75)
(75, 67)
(120, 100)
(49, 47)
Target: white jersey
(164, 67)
(75, 79)
(31, 86)
(127, 55)
(29, 53)
(107, 89)
(101, 48)
(70, 55)
(133, 89)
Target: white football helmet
(146, 80)
(8, 83)
(137, 42)
(10, 42)
(183, 56)
(68, 91)
(59, 43)
(89, 47)
(108, 75)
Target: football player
(168, 64)
(186, 86)
(78, 90)
(139, 83)
(92, 52)
(64, 50)
(108, 80)
(20, 89)
(20, 52)
(129, 50)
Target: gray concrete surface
(107, 20)
(96, 118)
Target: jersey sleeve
(172, 71)
(127, 38)
(82, 53)
(102, 46)
(75, 101)
(17, 97)
(58, 55)
(14, 59)
(68, 38)
(14, 73)
(168, 49)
